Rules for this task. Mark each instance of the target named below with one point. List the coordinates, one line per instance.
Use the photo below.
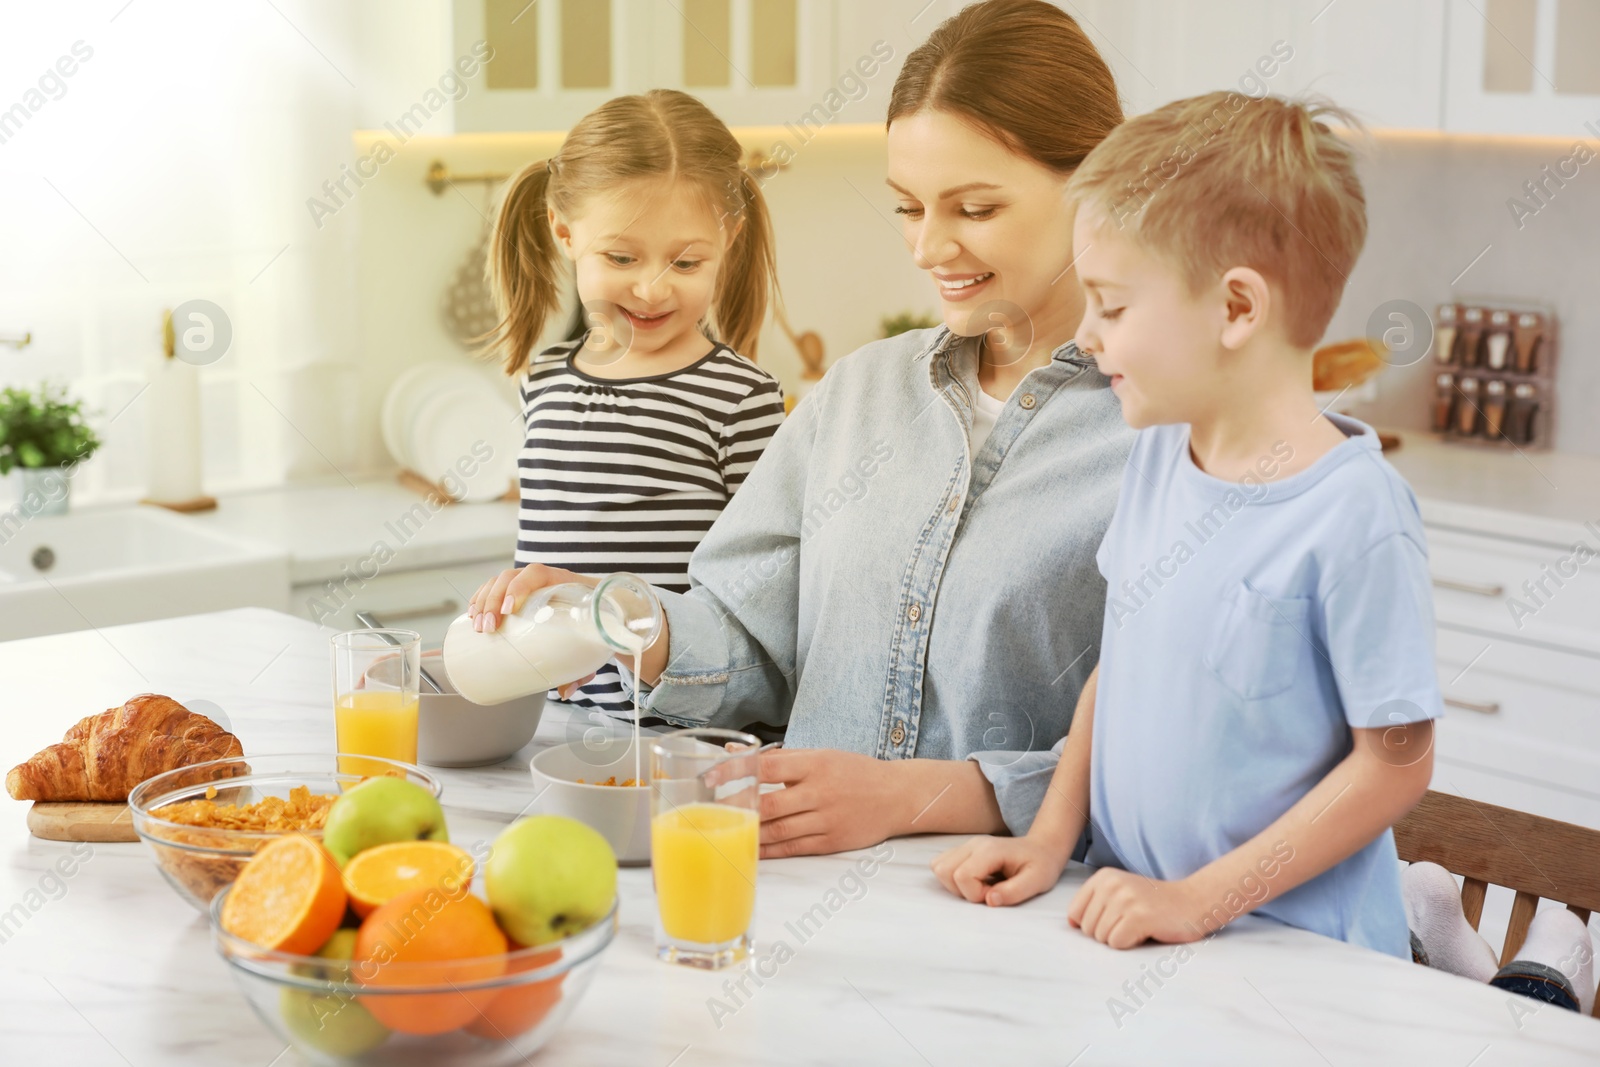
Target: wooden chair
(1538, 858)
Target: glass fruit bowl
(477, 1012)
(200, 861)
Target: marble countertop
(1546, 497)
(112, 967)
(327, 525)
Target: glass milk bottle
(561, 634)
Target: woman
(906, 581)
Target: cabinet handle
(444, 607)
(1486, 707)
(1476, 588)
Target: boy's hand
(1122, 909)
(998, 871)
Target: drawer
(1521, 727)
(1499, 689)
(1474, 667)
(423, 600)
(1476, 767)
(1514, 587)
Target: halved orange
(289, 897)
(377, 875)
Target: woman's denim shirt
(876, 588)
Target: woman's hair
(665, 135)
(1020, 70)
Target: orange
(289, 897)
(519, 1008)
(456, 936)
(377, 875)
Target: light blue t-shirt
(1249, 626)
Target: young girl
(643, 423)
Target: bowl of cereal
(204, 822)
(593, 780)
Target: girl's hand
(998, 871)
(1122, 909)
(831, 801)
(503, 594)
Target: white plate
(400, 405)
(452, 430)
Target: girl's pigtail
(749, 279)
(523, 268)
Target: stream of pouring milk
(621, 635)
(638, 776)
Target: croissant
(104, 756)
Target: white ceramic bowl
(452, 731)
(620, 813)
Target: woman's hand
(503, 594)
(998, 871)
(831, 801)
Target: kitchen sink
(110, 566)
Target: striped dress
(629, 474)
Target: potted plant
(907, 321)
(46, 436)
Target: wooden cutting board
(74, 820)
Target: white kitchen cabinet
(1531, 591)
(1521, 691)
(1522, 725)
(1471, 66)
(1523, 67)
(422, 600)
(553, 61)
(1522, 774)
(754, 62)
(1379, 59)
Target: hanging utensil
(467, 306)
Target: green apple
(340, 947)
(378, 811)
(549, 877)
(334, 1023)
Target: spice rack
(1495, 374)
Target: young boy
(1260, 716)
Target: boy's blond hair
(1227, 180)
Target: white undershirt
(984, 414)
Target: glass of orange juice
(375, 676)
(704, 842)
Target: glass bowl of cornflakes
(204, 822)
